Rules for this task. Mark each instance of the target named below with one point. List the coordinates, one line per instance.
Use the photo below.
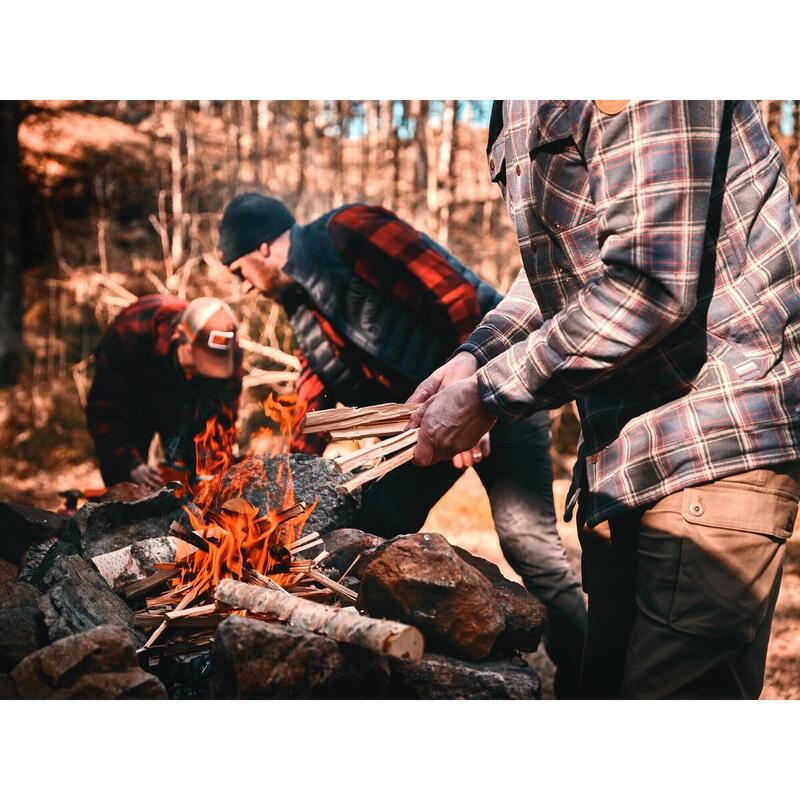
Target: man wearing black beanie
(376, 306)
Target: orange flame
(287, 411)
(238, 535)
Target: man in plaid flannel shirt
(163, 366)
(375, 306)
(661, 289)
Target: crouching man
(167, 367)
(375, 306)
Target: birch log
(345, 625)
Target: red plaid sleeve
(107, 405)
(394, 258)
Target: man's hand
(147, 476)
(469, 458)
(451, 421)
(462, 365)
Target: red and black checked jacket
(139, 389)
(381, 306)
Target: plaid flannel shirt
(139, 389)
(396, 261)
(661, 289)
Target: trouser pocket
(732, 551)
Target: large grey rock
(98, 664)
(114, 524)
(260, 660)
(344, 545)
(22, 628)
(22, 526)
(420, 580)
(314, 478)
(77, 599)
(39, 558)
(437, 677)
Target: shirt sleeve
(107, 415)
(398, 261)
(650, 172)
(511, 321)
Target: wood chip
(145, 585)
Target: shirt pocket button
(696, 509)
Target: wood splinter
(365, 455)
(377, 471)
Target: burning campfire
(226, 594)
(232, 538)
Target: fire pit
(235, 597)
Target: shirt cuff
(512, 384)
(483, 345)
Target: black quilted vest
(390, 338)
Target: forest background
(105, 201)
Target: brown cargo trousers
(682, 593)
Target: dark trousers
(518, 479)
(682, 593)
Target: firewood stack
(386, 420)
(196, 600)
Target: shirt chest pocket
(557, 180)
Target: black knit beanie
(251, 219)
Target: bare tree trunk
(793, 162)
(443, 196)
(419, 112)
(176, 172)
(384, 150)
(264, 122)
(774, 118)
(343, 118)
(11, 344)
(316, 127)
(302, 140)
(232, 147)
(796, 120)
(368, 146)
(101, 245)
(394, 156)
(190, 189)
(246, 171)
